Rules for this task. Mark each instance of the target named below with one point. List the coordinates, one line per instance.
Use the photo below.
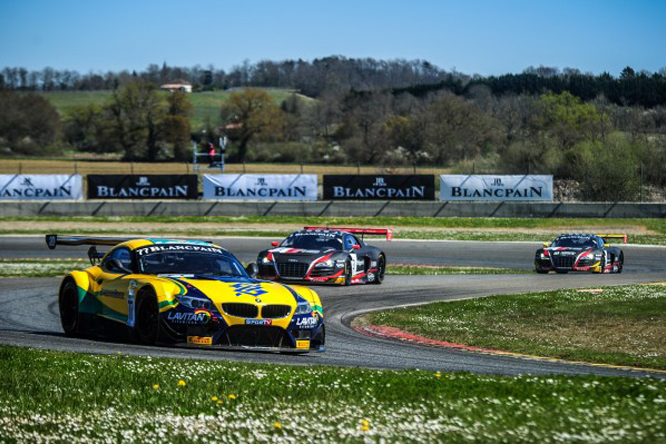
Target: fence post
(358, 168)
(20, 168)
(132, 167)
(76, 167)
(301, 167)
(243, 167)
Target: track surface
(29, 317)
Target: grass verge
(59, 267)
(50, 396)
(615, 325)
(642, 231)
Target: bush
(29, 124)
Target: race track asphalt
(29, 313)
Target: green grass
(60, 267)
(50, 396)
(481, 229)
(620, 325)
(206, 104)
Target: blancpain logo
(497, 192)
(27, 189)
(409, 192)
(261, 182)
(261, 192)
(143, 182)
(144, 191)
(379, 182)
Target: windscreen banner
(493, 187)
(40, 186)
(379, 187)
(260, 186)
(142, 186)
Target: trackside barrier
(331, 208)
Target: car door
(115, 285)
(357, 262)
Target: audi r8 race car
(190, 292)
(325, 255)
(580, 252)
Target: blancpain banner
(492, 187)
(260, 186)
(40, 186)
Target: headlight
(543, 256)
(265, 260)
(191, 302)
(329, 263)
(303, 308)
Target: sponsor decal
(384, 187)
(198, 317)
(114, 294)
(490, 187)
(248, 289)
(40, 186)
(307, 322)
(200, 340)
(303, 344)
(258, 322)
(178, 247)
(131, 186)
(261, 187)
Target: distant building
(179, 85)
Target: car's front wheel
(381, 270)
(68, 302)
(147, 318)
(348, 273)
(620, 263)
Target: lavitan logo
(142, 187)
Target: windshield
(574, 242)
(188, 262)
(313, 241)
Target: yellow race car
(189, 292)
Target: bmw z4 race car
(325, 255)
(580, 252)
(184, 292)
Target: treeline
(333, 74)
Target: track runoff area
(30, 312)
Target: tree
(175, 126)
(28, 122)
(251, 114)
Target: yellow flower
(277, 425)
(232, 396)
(156, 386)
(365, 428)
(365, 423)
(181, 383)
(219, 402)
(438, 375)
(214, 398)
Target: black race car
(325, 255)
(580, 252)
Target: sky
(483, 37)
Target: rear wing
(607, 237)
(362, 231)
(52, 240)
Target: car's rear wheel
(147, 318)
(541, 271)
(348, 273)
(381, 270)
(68, 302)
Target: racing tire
(561, 271)
(320, 339)
(147, 327)
(348, 274)
(620, 264)
(68, 303)
(541, 271)
(381, 270)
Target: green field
(206, 104)
(641, 231)
(617, 325)
(54, 397)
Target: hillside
(206, 104)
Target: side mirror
(546, 244)
(275, 244)
(252, 269)
(116, 265)
(356, 247)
